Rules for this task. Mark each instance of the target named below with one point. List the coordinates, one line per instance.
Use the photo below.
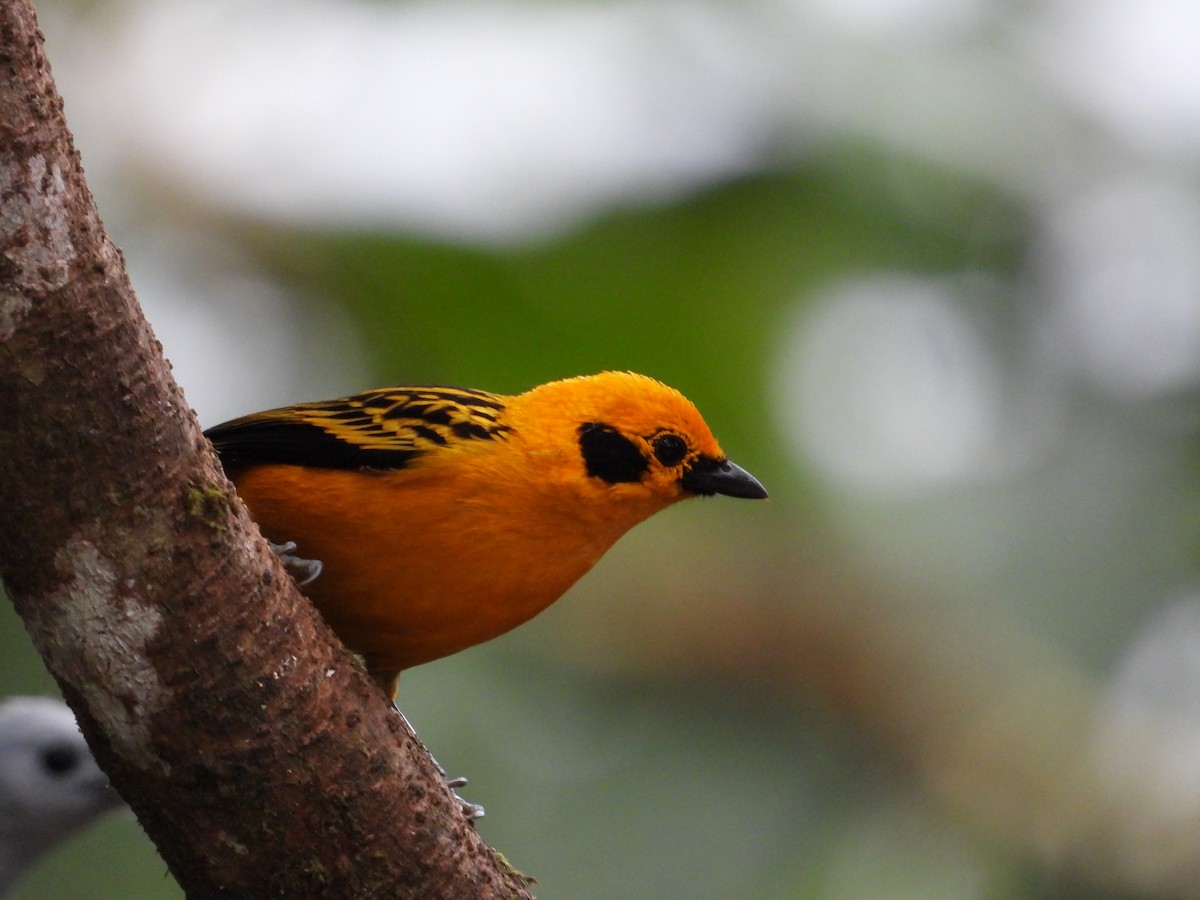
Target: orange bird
(443, 517)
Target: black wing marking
(385, 428)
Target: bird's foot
(304, 571)
(471, 811)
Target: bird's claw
(472, 811)
(304, 571)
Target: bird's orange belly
(405, 583)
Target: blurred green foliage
(692, 293)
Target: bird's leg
(304, 571)
(471, 811)
(389, 682)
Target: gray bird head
(50, 786)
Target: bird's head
(50, 786)
(632, 437)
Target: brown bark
(253, 749)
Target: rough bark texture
(254, 751)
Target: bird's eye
(670, 449)
(60, 760)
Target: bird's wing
(383, 428)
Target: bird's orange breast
(419, 564)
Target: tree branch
(255, 752)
